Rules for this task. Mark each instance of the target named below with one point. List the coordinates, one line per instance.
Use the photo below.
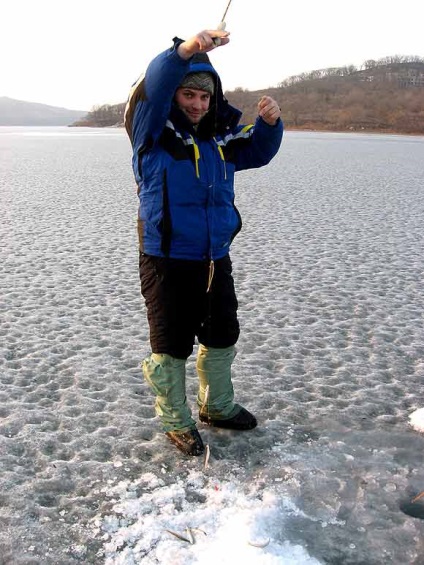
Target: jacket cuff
(177, 42)
(277, 123)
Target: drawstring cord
(211, 274)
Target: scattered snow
(224, 525)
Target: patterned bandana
(199, 81)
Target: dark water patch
(413, 509)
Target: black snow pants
(179, 308)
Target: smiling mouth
(194, 116)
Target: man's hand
(202, 42)
(269, 110)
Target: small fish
(177, 535)
(190, 536)
(418, 496)
(199, 530)
(207, 455)
(259, 543)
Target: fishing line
(222, 23)
(217, 41)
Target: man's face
(194, 103)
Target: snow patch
(224, 520)
(416, 419)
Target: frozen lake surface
(329, 269)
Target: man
(187, 145)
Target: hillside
(386, 96)
(382, 96)
(19, 113)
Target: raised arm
(150, 99)
(203, 42)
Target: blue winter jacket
(185, 176)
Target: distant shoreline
(382, 131)
(355, 130)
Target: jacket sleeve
(150, 98)
(258, 144)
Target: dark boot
(243, 420)
(188, 442)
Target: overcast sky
(80, 53)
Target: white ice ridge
(416, 419)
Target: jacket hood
(221, 115)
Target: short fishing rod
(222, 25)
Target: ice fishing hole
(413, 509)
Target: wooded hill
(386, 95)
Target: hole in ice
(413, 509)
